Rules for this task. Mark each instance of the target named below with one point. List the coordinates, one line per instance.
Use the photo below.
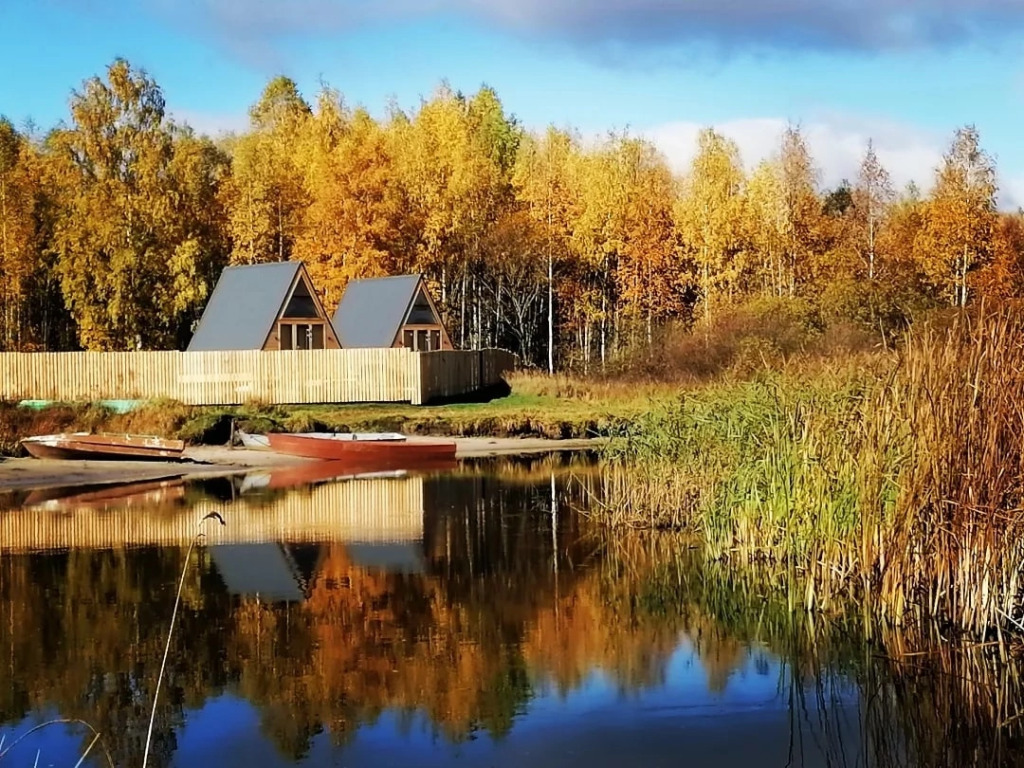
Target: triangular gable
(421, 309)
(413, 314)
(301, 296)
(302, 304)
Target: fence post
(416, 376)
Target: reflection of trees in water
(84, 631)
(505, 598)
(921, 697)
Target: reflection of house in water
(271, 572)
(393, 557)
(285, 573)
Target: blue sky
(906, 73)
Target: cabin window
(301, 303)
(302, 335)
(408, 339)
(421, 313)
(435, 340)
(421, 341)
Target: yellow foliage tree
(265, 195)
(545, 185)
(768, 225)
(959, 218)
(709, 215)
(357, 223)
(133, 250)
(19, 242)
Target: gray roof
(263, 570)
(394, 558)
(372, 310)
(244, 306)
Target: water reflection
(462, 617)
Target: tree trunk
(280, 230)
(462, 312)
(497, 314)
(871, 246)
(604, 330)
(4, 258)
(551, 311)
(586, 347)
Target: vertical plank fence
(237, 377)
(366, 510)
(453, 373)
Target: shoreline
(205, 461)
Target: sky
(904, 73)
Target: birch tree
(960, 217)
(709, 215)
(872, 197)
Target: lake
(471, 617)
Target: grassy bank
(901, 485)
(538, 406)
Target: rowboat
(101, 497)
(83, 445)
(253, 442)
(313, 473)
(367, 449)
(262, 443)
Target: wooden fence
(449, 374)
(233, 378)
(377, 510)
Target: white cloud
(1011, 196)
(837, 144)
(212, 124)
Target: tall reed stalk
(170, 630)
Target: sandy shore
(217, 461)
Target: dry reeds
(905, 489)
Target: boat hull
(103, 447)
(369, 453)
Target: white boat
(253, 442)
(262, 442)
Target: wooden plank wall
(449, 374)
(365, 510)
(233, 378)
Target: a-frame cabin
(264, 306)
(390, 312)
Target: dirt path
(216, 461)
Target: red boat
(147, 492)
(389, 450)
(82, 445)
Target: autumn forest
(115, 226)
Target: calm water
(468, 618)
